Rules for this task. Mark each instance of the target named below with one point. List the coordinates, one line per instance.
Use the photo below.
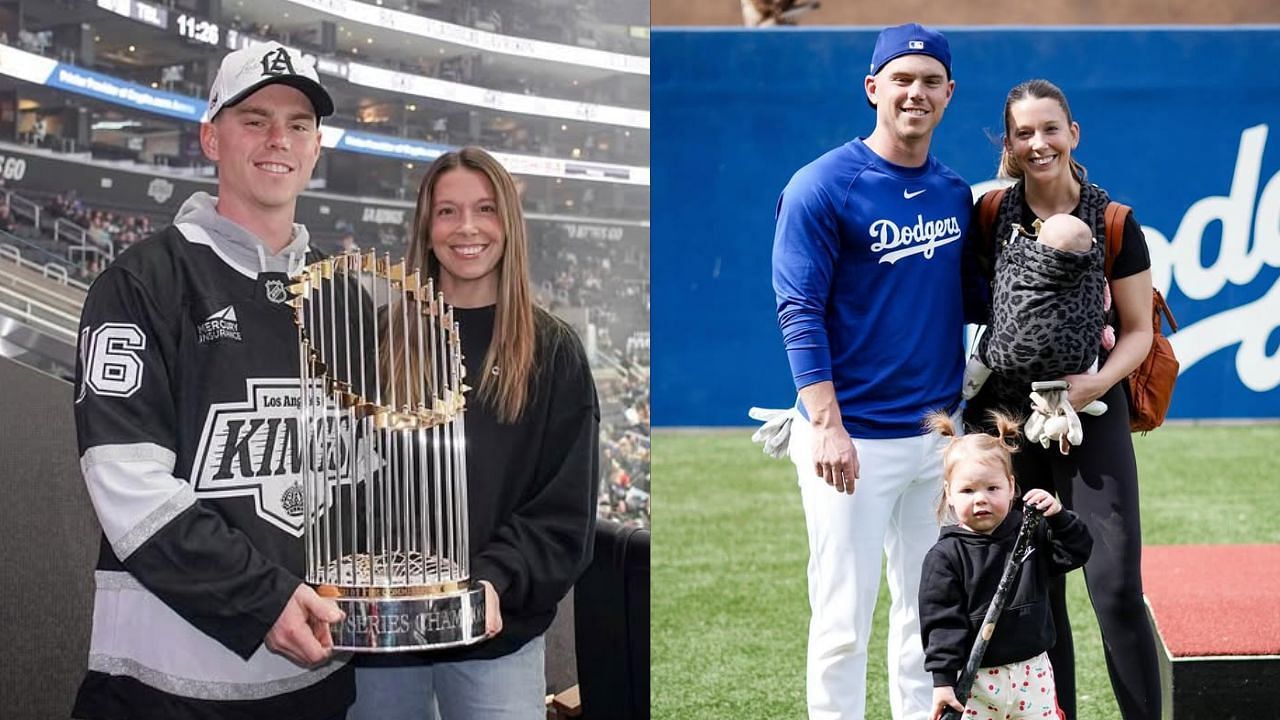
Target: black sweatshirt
(959, 579)
(532, 485)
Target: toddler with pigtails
(981, 516)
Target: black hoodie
(959, 578)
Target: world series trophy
(384, 472)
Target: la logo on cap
(916, 44)
(277, 62)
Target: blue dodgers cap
(910, 39)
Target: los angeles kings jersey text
(252, 448)
(182, 351)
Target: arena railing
(65, 230)
(41, 316)
(81, 243)
(53, 271)
(42, 293)
(23, 208)
(59, 274)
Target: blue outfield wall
(1175, 122)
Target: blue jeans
(507, 688)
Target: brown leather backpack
(1150, 384)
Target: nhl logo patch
(275, 291)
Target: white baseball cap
(249, 69)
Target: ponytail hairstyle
(1035, 90)
(979, 447)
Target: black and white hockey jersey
(185, 411)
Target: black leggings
(1099, 481)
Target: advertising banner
(38, 175)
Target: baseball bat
(1022, 549)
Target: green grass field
(729, 607)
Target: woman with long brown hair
(532, 433)
(1098, 479)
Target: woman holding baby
(1097, 479)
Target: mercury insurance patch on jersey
(222, 325)
(251, 448)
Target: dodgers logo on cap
(910, 39)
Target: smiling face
(1040, 137)
(910, 94)
(979, 493)
(466, 236)
(266, 147)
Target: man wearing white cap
(866, 271)
(185, 389)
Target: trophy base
(379, 624)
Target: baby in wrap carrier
(1049, 304)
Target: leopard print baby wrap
(1047, 316)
